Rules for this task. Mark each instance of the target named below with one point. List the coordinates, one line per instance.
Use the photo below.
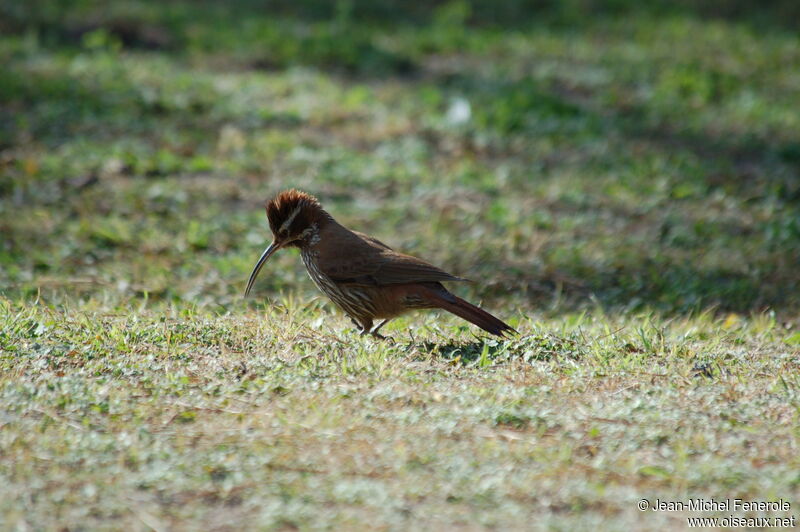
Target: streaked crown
(291, 212)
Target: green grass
(624, 190)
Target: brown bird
(360, 274)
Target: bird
(364, 277)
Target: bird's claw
(379, 336)
(376, 335)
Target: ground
(621, 183)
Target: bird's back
(351, 257)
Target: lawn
(622, 183)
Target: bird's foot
(375, 334)
(379, 336)
(364, 329)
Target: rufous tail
(474, 315)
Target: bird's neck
(309, 237)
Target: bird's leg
(364, 326)
(375, 332)
(359, 327)
(381, 324)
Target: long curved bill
(264, 257)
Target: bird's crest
(292, 208)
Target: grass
(193, 420)
(621, 182)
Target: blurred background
(563, 153)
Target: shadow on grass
(487, 351)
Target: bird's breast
(357, 302)
(311, 261)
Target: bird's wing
(367, 261)
(396, 268)
(372, 240)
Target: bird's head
(294, 218)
